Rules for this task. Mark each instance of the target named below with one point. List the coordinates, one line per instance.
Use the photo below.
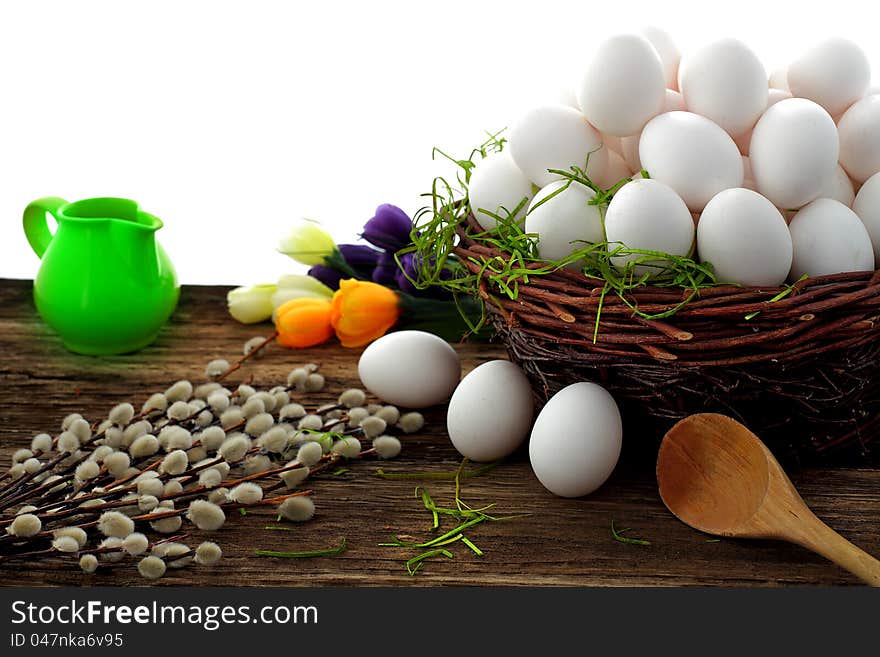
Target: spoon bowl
(718, 477)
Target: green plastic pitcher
(105, 285)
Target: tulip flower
(299, 286)
(304, 322)
(389, 229)
(327, 276)
(362, 311)
(386, 270)
(252, 304)
(308, 243)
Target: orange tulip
(363, 311)
(303, 322)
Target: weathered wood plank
(562, 542)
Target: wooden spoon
(718, 477)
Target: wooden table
(562, 542)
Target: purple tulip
(389, 229)
(404, 284)
(327, 275)
(386, 270)
(360, 256)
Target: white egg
(667, 51)
(576, 440)
(648, 215)
(412, 369)
(725, 82)
(745, 238)
(624, 85)
(744, 141)
(615, 170)
(563, 219)
(859, 131)
(498, 187)
(775, 95)
(779, 79)
(839, 187)
(748, 179)
(692, 155)
(834, 74)
(793, 152)
(491, 411)
(867, 207)
(674, 102)
(566, 96)
(612, 143)
(555, 137)
(829, 238)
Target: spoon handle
(820, 538)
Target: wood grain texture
(563, 542)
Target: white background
(231, 120)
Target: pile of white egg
(767, 179)
(574, 443)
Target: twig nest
(121, 414)
(390, 414)
(180, 391)
(41, 443)
(297, 509)
(66, 544)
(211, 438)
(157, 402)
(353, 397)
(309, 454)
(253, 407)
(259, 463)
(147, 503)
(81, 429)
(387, 447)
(373, 426)
(76, 533)
(357, 415)
(231, 417)
(216, 368)
(275, 440)
(210, 479)
(311, 423)
(411, 422)
(153, 487)
(25, 526)
(293, 478)
(208, 553)
(246, 493)
(259, 424)
(174, 462)
(151, 567)
(167, 525)
(234, 447)
(68, 443)
(314, 383)
(115, 524)
(218, 401)
(117, 462)
(179, 411)
(349, 448)
(297, 378)
(143, 447)
(86, 470)
(206, 515)
(22, 455)
(135, 544)
(88, 563)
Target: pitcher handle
(35, 227)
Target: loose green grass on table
(466, 517)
